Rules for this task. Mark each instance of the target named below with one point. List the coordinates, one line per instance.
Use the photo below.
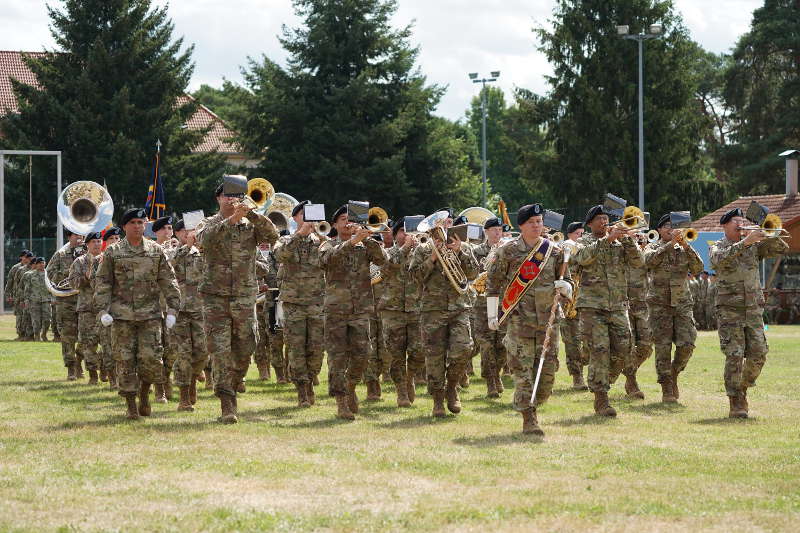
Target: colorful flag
(156, 203)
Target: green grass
(69, 461)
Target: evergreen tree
(225, 102)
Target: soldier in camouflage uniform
(699, 311)
(261, 355)
(669, 260)
(133, 275)
(25, 258)
(445, 321)
(399, 309)
(37, 298)
(493, 353)
(576, 356)
(162, 392)
(272, 342)
(82, 275)
(528, 321)
(108, 371)
(188, 335)
(66, 312)
(301, 281)
(639, 317)
(603, 256)
(740, 305)
(711, 302)
(229, 242)
(348, 305)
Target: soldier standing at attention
(740, 305)
(229, 241)
(301, 281)
(37, 298)
(81, 276)
(25, 258)
(669, 260)
(110, 237)
(66, 313)
(445, 319)
(539, 261)
(348, 306)
(570, 332)
(603, 255)
(639, 317)
(134, 274)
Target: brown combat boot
(402, 393)
(112, 379)
(464, 381)
(675, 390)
(185, 402)
(312, 398)
(241, 388)
(79, 368)
(491, 386)
(280, 374)
(227, 406)
(103, 374)
(144, 399)
(263, 372)
(438, 404)
(158, 393)
(411, 390)
(352, 399)
(209, 379)
(342, 409)
(133, 413)
(737, 410)
(168, 388)
(71, 372)
(193, 392)
(578, 383)
(632, 388)
(453, 401)
(666, 392)
(92, 377)
(743, 400)
(530, 425)
(601, 405)
(302, 394)
(373, 391)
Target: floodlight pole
(483, 82)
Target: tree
(226, 103)
(107, 93)
(590, 114)
(349, 118)
(762, 86)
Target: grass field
(70, 461)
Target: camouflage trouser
(570, 333)
(137, 352)
(261, 355)
(68, 327)
(523, 358)
(40, 317)
(88, 339)
(711, 316)
(18, 320)
(104, 336)
(672, 325)
(641, 337)
(189, 341)
(303, 333)
(447, 341)
(607, 337)
(54, 319)
(490, 342)
(474, 317)
(403, 343)
(380, 362)
(26, 325)
(170, 354)
(277, 355)
(231, 337)
(742, 340)
(348, 340)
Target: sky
(455, 37)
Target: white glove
(491, 312)
(564, 288)
(106, 319)
(169, 321)
(279, 313)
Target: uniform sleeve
(333, 254)
(468, 262)
(695, 261)
(77, 273)
(168, 284)
(265, 229)
(103, 283)
(210, 233)
(496, 273)
(633, 254)
(10, 282)
(587, 254)
(285, 248)
(725, 257)
(654, 254)
(772, 247)
(376, 252)
(422, 264)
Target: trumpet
(652, 236)
(688, 234)
(632, 219)
(322, 228)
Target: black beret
(130, 214)
(398, 225)
(296, 209)
(336, 214)
(527, 211)
(573, 227)
(448, 209)
(493, 222)
(218, 190)
(377, 236)
(28, 254)
(460, 220)
(593, 212)
(735, 212)
(93, 235)
(39, 259)
(507, 228)
(179, 225)
(110, 232)
(663, 220)
(285, 232)
(23, 252)
(161, 222)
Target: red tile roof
(218, 137)
(786, 208)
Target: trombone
(772, 226)
(632, 219)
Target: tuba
(261, 193)
(377, 219)
(450, 264)
(476, 215)
(280, 212)
(84, 207)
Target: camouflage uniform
(301, 281)
(128, 285)
(740, 304)
(445, 318)
(229, 291)
(10, 291)
(671, 305)
(188, 335)
(66, 312)
(638, 315)
(348, 306)
(493, 352)
(88, 339)
(273, 335)
(528, 322)
(711, 304)
(602, 302)
(37, 302)
(377, 360)
(26, 323)
(699, 301)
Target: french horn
(84, 207)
